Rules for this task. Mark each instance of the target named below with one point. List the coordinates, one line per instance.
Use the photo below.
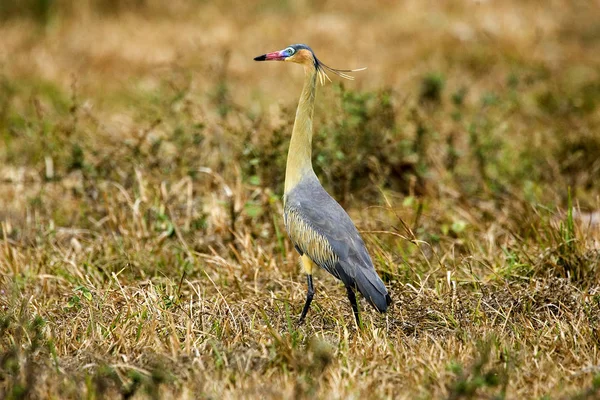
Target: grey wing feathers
(321, 228)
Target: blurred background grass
(503, 93)
(138, 138)
(480, 99)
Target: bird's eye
(290, 51)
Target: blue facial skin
(295, 48)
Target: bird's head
(302, 54)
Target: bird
(320, 229)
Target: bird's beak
(274, 56)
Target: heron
(320, 229)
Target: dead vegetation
(142, 251)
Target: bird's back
(320, 228)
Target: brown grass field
(142, 157)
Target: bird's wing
(321, 228)
(318, 225)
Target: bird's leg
(308, 267)
(352, 298)
(309, 296)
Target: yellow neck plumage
(299, 161)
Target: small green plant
(22, 344)
(484, 375)
(38, 10)
(362, 147)
(432, 86)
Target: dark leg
(309, 296)
(352, 298)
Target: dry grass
(142, 251)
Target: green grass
(142, 248)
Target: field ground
(142, 155)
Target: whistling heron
(320, 229)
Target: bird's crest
(322, 72)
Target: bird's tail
(372, 288)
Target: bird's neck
(299, 162)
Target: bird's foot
(300, 322)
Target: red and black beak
(274, 56)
